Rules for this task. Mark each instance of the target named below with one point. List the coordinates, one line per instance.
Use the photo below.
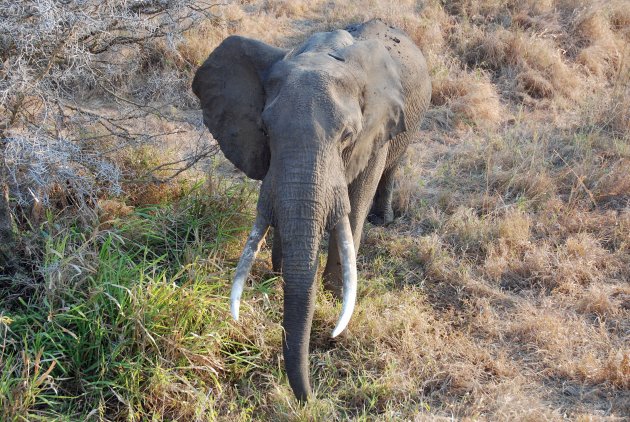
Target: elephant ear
(381, 100)
(229, 87)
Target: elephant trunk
(299, 304)
(301, 214)
(306, 202)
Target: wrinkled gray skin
(323, 126)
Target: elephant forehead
(314, 88)
(314, 72)
(323, 42)
(313, 64)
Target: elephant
(324, 126)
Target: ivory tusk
(345, 243)
(254, 240)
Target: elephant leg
(332, 273)
(382, 211)
(361, 192)
(276, 252)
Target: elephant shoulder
(414, 71)
(402, 48)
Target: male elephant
(324, 126)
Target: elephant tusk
(345, 243)
(254, 240)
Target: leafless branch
(55, 57)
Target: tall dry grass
(499, 293)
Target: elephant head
(306, 122)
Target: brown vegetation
(501, 291)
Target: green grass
(128, 321)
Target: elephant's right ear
(229, 86)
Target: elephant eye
(347, 135)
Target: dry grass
(501, 291)
(600, 30)
(470, 99)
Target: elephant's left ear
(381, 99)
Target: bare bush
(36, 163)
(78, 82)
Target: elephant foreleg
(382, 211)
(276, 252)
(332, 272)
(361, 192)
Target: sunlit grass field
(500, 292)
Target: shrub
(57, 143)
